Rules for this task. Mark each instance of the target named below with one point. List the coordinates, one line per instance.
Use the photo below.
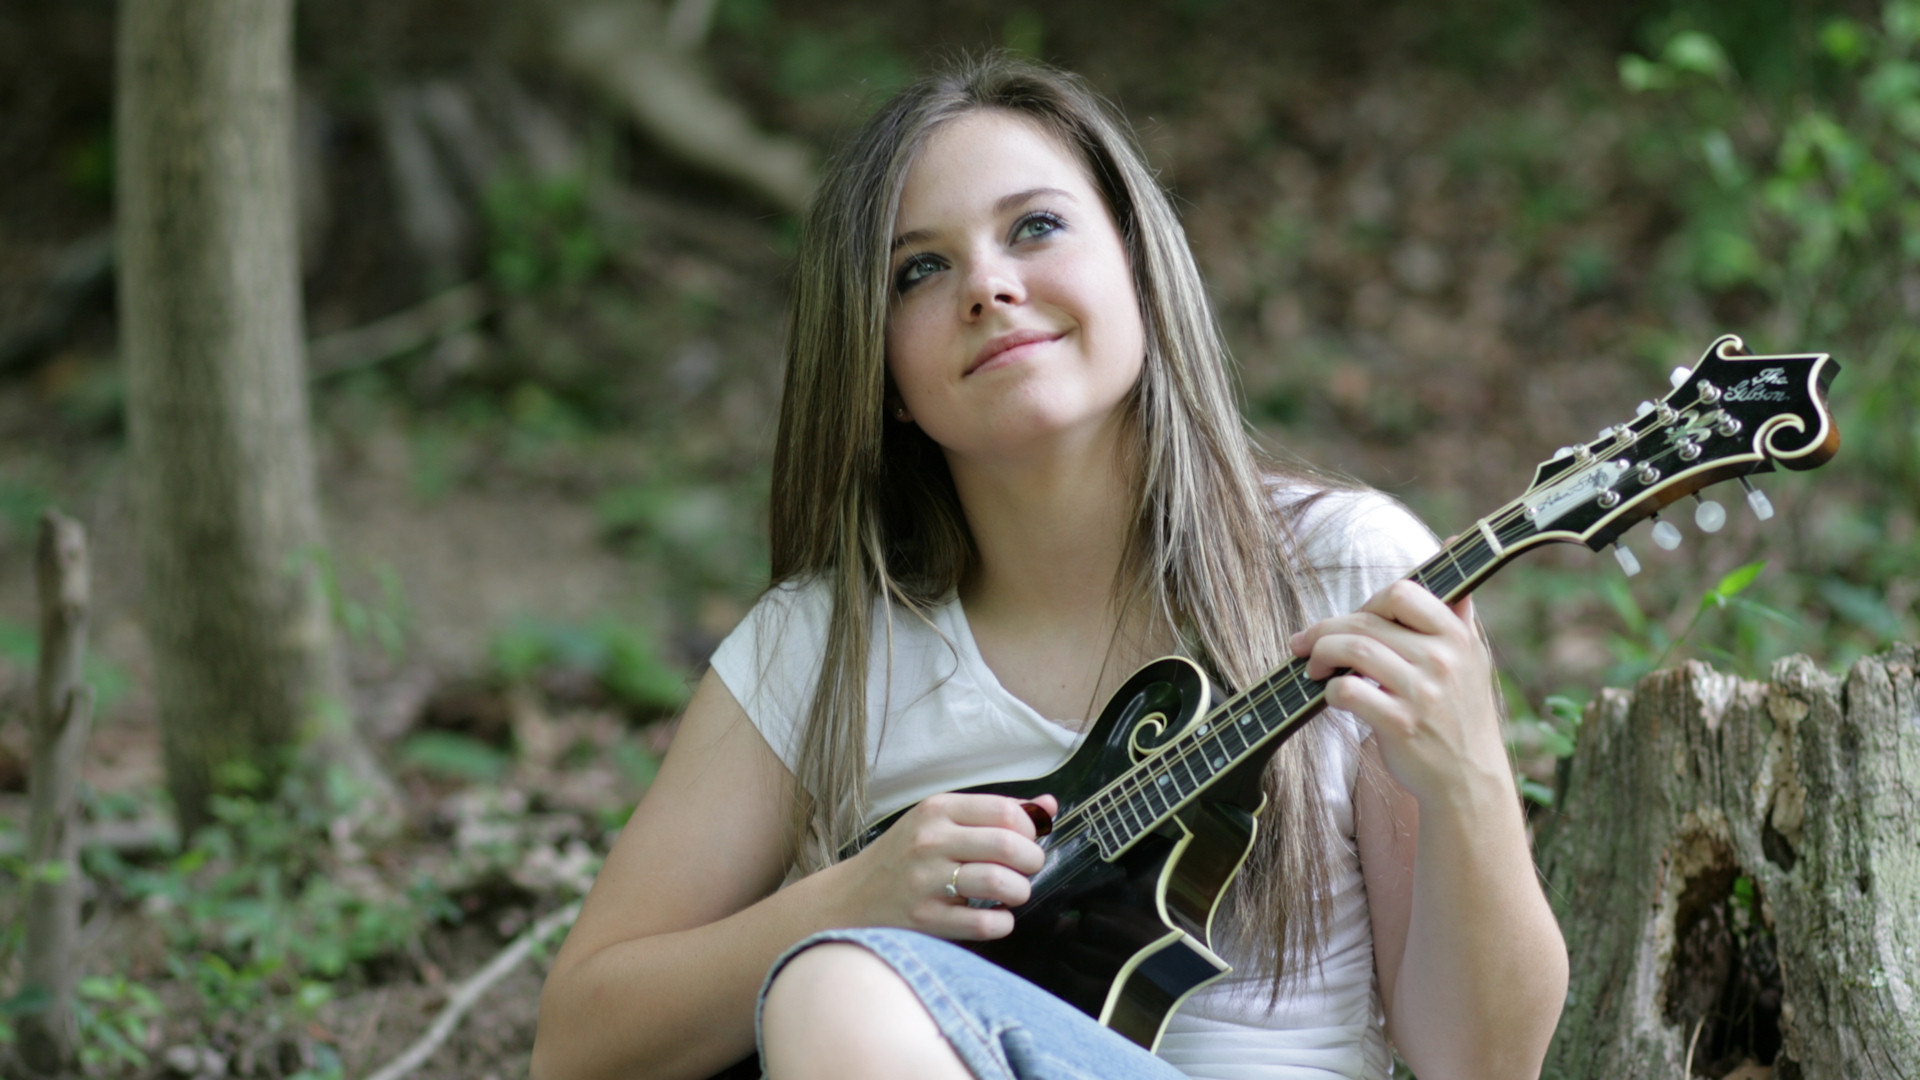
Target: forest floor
(1434, 246)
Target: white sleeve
(1358, 542)
(771, 662)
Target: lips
(1010, 340)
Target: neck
(1050, 529)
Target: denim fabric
(1002, 1026)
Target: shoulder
(789, 611)
(1352, 541)
(771, 661)
(1334, 528)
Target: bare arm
(1473, 970)
(659, 975)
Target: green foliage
(1792, 151)
(1741, 634)
(258, 918)
(114, 1015)
(703, 530)
(21, 503)
(1810, 201)
(815, 63)
(626, 661)
(1023, 32)
(541, 235)
(382, 621)
(454, 756)
(1550, 735)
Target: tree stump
(1736, 866)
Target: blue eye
(914, 271)
(1037, 224)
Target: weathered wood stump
(1736, 866)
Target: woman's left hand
(1419, 675)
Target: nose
(995, 282)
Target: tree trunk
(1736, 868)
(62, 714)
(222, 462)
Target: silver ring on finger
(952, 887)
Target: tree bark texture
(222, 459)
(62, 715)
(1736, 866)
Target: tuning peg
(1680, 375)
(1643, 408)
(1757, 500)
(1709, 515)
(1623, 555)
(1665, 534)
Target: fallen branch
(688, 22)
(136, 837)
(423, 324)
(617, 46)
(469, 992)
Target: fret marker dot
(1165, 780)
(1219, 761)
(1246, 718)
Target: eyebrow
(1000, 206)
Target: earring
(901, 414)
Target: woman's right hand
(901, 878)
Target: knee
(838, 1011)
(819, 985)
(814, 1009)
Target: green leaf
(314, 994)
(1695, 52)
(50, 872)
(1737, 581)
(31, 999)
(1639, 74)
(457, 757)
(1723, 160)
(1566, 709)
(1845, 41)
(1535, 791)
(1902, 19)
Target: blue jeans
(1002, 1026)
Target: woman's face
(1014, 323)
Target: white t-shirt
(938, 720)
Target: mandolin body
(1126, 939)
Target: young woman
(1009, 470)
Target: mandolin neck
(1253, 723)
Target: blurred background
(545, 248)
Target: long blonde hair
(869, 508)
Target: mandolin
(1159, 803)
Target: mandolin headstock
(1732, 415)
